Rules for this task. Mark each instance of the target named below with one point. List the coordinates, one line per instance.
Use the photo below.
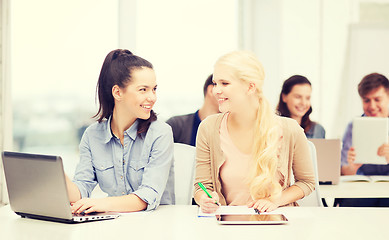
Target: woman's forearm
(73, 191)
(127, 203)
(289, 195)
(349, 169)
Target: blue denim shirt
(316, 131)
(142, 166)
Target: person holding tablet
(295, 102)
(374, 92)
(128, 152)
(245, 154)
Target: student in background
(185, 126)
(244, 154)
(374, 92)
(128, 152)
(295, 102)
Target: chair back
(313, 199)
(184, 168)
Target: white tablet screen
(369, 133)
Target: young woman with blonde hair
(246, 154)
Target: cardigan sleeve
(203, 157)
(302, 165)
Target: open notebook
(227, 210)
(363, 178)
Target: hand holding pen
(209, 203)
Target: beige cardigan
(294, 156)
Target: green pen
(205, 190)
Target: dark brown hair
(282, 108)
(116, 70)
(207, 83)
(371, 82)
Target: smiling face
(230, 92)
(376, 102)
(298, 100)
(139, 97)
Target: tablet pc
(251, 219)
(369, 133)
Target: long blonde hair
(263, 177)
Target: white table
(181, 222)
(354, 190)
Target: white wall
(267, 21)
(183, 40)
(288, 40)
(337, 15)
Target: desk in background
(354, 190)
(181, 222)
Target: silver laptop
(37, 188)
(328, 160)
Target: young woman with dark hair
(295, 102)
(128, 152)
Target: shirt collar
(108, 132)
(131, 131)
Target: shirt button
(121, 177)
(125, 145)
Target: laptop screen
(328, 160)
(36, 184)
